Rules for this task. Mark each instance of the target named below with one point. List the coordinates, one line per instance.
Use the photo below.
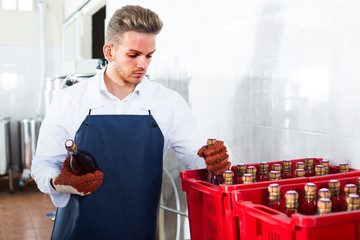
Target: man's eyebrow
(138, 52)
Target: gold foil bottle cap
(325, 163)
(210, 141)
(309, 161)
(324, 203)
(277, 167)
(228, 174)
(334, 185)
(344, 167)
(350, 189)
(353, 199)
(264, 165)
(319, 170)
(310, 187)
(251, 169)
(274, 175)
(291, 195)
(70, 145)
(300, 165)
(286, 163)
(274, 188)
(247, 178)
(324, 193)
(299, 172)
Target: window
(21, 5)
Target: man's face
(132, 56)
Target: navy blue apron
(129, 151)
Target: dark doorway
(98, 33)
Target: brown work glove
(68, 182)
(216, 157)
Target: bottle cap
(211, 141)
(344, 167)
(310, 187)
(247, 178)
(319, 170)
(350, 189)
(291, 195)
(228, 174)
(251, 169)
(334, 185)
(309, 161)
(325, 163)
(353, 199)
(277, 167)
(324, 193)
(299, 172)
(300, 165)
(287, 163)
(274, 188)
(70, 145)
(274, 175)
(264, 165)
(324, 203)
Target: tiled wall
(275, 79)
(20, 86)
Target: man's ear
(107, 49)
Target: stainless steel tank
(4, 145)
(29, 131)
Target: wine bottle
(300, 165)
(291, 202)
(344, 167)
(241, 169)
(247, 178)
(277, 167)
(286, 166)
(228, 177)
(274, 196)
(210, 176)
(81, 162)
(274, 176)
(309, 167)
(309, 205)
(326, 164)
(334, 187)
(299, 172)
(252, 170)
(264, 171)
(348, 189)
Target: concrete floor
(22, 214)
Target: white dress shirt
(71, 105)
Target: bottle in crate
(252, 170)
(247, 178)
(324, 206)
(264, 171)
(300, 165)
(274, 196)
(299, 173)
(286, 167)
(344, 167)
(319, 170)
(358, 185)
(334, 187)
(291, 202)
(240, 171)
(210, 176)
(326, 164)
(228, 177)
(352, 202)
(348, 189)
(309, 205)
(274, 176)
(277, 167)
(309, 167)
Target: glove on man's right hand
(68, 182)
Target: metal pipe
(173, 210)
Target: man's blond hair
(132, 18)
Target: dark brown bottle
(81, 162)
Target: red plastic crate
(210, 207)
(257, 221)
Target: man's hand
(68, 182)
(216, 157)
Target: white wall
(275, 79)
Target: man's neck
(118, 88)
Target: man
(127, 123)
